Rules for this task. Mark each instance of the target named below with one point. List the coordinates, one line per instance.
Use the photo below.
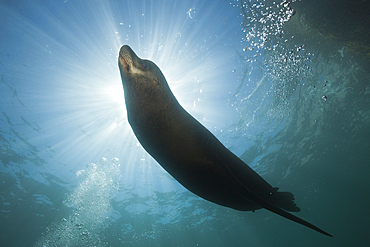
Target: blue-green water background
(291, 100)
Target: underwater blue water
(72, 172)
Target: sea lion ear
(145, 65)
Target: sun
(115, 93)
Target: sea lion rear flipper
(277, 210)
(279, 202)
(284, 200)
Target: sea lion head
(145, 87)
(136, 70)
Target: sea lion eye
(145, 66)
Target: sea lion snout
(126, 56)
(126, 51)
(122, 63)
(125, 59)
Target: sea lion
(190, 152)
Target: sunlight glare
(115, 93)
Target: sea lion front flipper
(292, 217)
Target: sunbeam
(82, 93)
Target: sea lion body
(187, 150)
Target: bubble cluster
(262, 21)
(268, 43)
(91, 204)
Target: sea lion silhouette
(187, 150)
